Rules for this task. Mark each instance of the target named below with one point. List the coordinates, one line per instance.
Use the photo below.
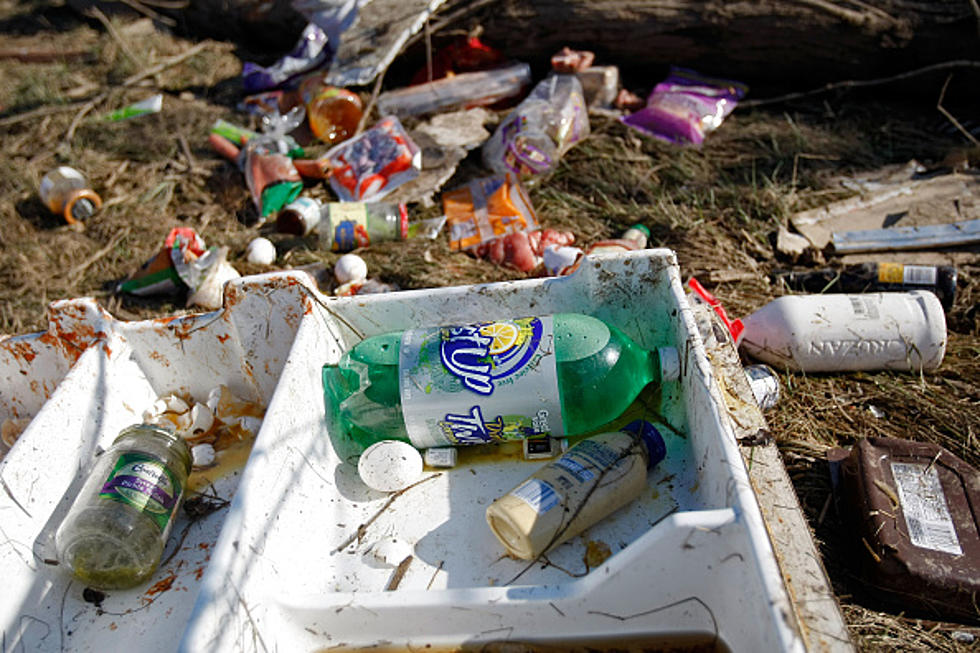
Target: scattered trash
(310, 52)
(764, 383)
(444, 141)
(567, 60)
(906, 238)
(560, 260)
(464, 54)
(368, 167)
(890, 205)
(261, 250)
(455, 397)
(346, 226)
(183, 262)
(208, 277)
(963, 637)
(115, 531)
(153, 104)
(876, 412)
(842, 332)
(874, 277)
(440, 457)
(350, 267)
(524, 250)
(687, 106)
(590, 481)
(333, 113)
(485, 209)
(300, 217)
(909, 509)
(159, 275)
(272, 179)
(545, 125)
(463, 91)
(544, 447)
(67, 193)
(600, 86)
(203, 456)
(389, 466)
(372, 42)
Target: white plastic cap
(390, 465)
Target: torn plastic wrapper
(368, 167)
(545, 125)
(686, 107)
(159, 275)
(486, 209)
(310, 52)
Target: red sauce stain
(113, 626)
(203, 545)
(23, 350)
(198, 573)
(160, 358)
(34, 386)
(224, 338)
(161, 585)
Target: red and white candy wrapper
(368, 167)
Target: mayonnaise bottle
(590, 481)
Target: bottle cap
(654, 442)
(390, 465)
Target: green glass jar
(114, 533)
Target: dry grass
(717, 207)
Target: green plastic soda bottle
(563, 374)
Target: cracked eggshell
(201, 420)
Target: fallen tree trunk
(791, 42)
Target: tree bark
(798, 43)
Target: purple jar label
(145, 483)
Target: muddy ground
(718, 208)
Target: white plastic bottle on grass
(843, 332)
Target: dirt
(718, 207)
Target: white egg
(350, 267)
(261, 250)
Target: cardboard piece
(903, 197)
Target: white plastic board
(283, 567)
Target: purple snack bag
(686, 106)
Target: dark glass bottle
(874, 277)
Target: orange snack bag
(485, 209)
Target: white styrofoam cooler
(289, 564)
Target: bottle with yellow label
(115, 531)
(874, 277)
(346, 226)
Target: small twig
(166, 63)
(396, 577)
(360, 530)
(149, 13)
(434, 574)
(370, 105)
(84, 111)
(84, 265)
(853, 83)
(96, 13)
(949, 116)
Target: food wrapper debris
(486, 209)
(684, 108)
(368, 167)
